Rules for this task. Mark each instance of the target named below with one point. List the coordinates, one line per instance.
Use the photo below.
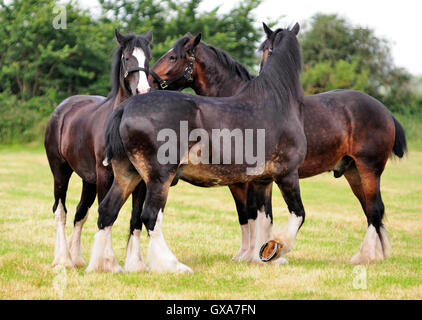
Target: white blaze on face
(143, 85)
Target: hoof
(63, 261)
(135, 266)
(238, 256)
(75, 254)
(270, 251)
(105, 265)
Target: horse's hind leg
(134, 261)
(125, 181)
(61, 172)
(375, 246)
(88, 195)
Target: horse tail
(114, 148)
(400, 143)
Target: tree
(39, 57)
(331, 45)
(234, 31)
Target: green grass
(201, 228)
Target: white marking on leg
(61, 252)
(371, 249)
(102, 255)
(263, 231)
(134, 261)
(160, 258)
(249, 255)
(288, 236)
(385, 241)
(74, 243)
(244, 246)
(143, 85)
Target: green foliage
(339, 55)
(325, 76)
(39, 57)
(170, 19)
(41, 64)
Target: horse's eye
(127, 59)
(172, 58)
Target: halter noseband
(127, 72)
(187, 74)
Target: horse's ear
(148, 36)
(188, 34)
(119, 37)
(197, 40)
(296, 29)
(267, 30)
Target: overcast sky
(400, 22)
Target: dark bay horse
(74, 141)
(345, 130)
(136, 129)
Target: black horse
(271, 103)
(331, 145)
(74, 141)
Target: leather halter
(187, 74)
(127, 72)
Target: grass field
(201, 228)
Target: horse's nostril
(137, 91)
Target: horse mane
(283, 68)
(222, 57)
(132, 41)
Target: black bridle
(187, 74)
(128, 72)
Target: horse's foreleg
(289, 186)
(160, 258)
(239, 193)
(125, 181)
(88, 195)
(62, 173)
(260, 219)
(134, 261)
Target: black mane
(284, 66)
(222, 57)
(132, 41)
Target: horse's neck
(120, 97)
(218, 82)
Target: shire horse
(272, 101)
(74, 141)
(348, 132)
